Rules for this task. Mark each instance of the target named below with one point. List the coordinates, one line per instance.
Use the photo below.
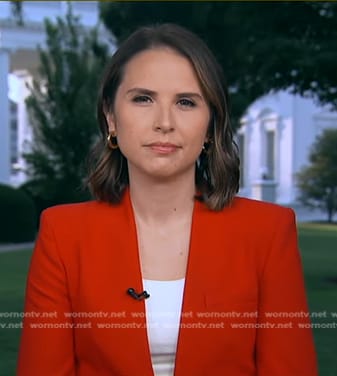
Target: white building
(19, 60)
(275, 138)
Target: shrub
(18, 220)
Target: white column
(25, 134)
(4, 118)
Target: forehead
(162, 67)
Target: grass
(319, 255)
(13, 271)
(318, 243)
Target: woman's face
(160, 115)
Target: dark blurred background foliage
(318, 181)
(62, 113)
(18, 219)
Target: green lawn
(319, 254)
(13, 271)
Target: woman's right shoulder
(68, 209)
(75, 212)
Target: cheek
(200, 130)
(202, 122)
(125, 126)
(126, 140)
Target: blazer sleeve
(284, 343)
(47, 345)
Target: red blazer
(243, 263)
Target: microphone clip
(137, 296)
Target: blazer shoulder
(77, 212)
(248, 204)
(69, 224)
(261, 212)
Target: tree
(262, 46)
(318, 181)
(62, 111)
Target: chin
(164, 172)
(170, 175)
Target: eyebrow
(152, 93)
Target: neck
(162, 201)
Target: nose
(164, 121)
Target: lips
(163, 147)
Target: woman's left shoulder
(249, 204)
(259, 212)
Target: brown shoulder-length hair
(217, 169)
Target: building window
(270, 155)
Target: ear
(110, 118)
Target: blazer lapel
(208, 241)
(112, 268)
(139, 363)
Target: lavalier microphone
(138, 296)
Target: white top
(163, 311)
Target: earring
(206, 146)
(112, 141)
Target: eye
(142, 99)
(186, 102)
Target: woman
(166, 272)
